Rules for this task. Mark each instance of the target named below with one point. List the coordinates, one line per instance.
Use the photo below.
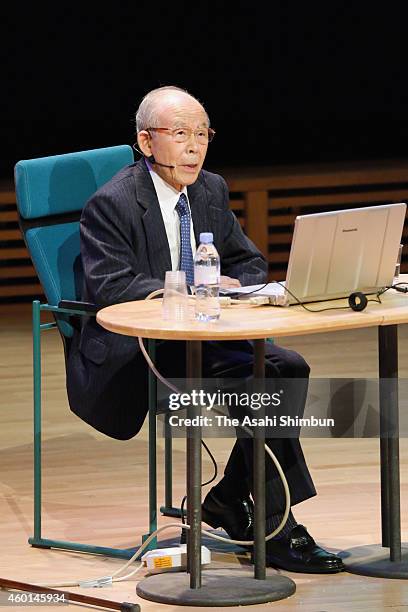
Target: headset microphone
(151, 160)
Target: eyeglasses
(183, 134)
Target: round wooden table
(237, 322)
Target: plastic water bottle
(207, 280)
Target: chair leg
(151, 349)
(36, 540)
(168, 509)
(168, 464)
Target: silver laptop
(337, 253)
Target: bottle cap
(206, 237)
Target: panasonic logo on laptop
(352, 229)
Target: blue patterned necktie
(186, 255)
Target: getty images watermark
(285, 408)
(244, 403)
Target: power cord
(176, 390)
(377, 300)
(108, 580)
(268, 450)
(238, 294)
(378, 293)
(396, 286)
(204, 484)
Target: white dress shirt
(168, 198)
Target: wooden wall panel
(18, 280)
(308, 189)
(256, 209)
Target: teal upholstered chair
(51, 192)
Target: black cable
(397, 287)
(214, 464)
(238, 295)
(214, 476)
(330, 307)
(378, 301)
(183, 501)
(377, 294)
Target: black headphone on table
(357, 301)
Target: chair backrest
(51, 192)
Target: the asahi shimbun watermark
(222, 420)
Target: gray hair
(146, 114)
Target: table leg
(152, 382)
(259, 473)
(389, 560)
(389, 418)
(194, 474)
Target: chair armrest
(72, 305)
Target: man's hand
(227, 282)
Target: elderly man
(130, 236)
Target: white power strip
(171, 559)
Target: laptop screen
(336, 253)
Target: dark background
(282, 82)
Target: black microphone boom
(151, 160)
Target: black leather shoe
(298, 552)
(236, 517)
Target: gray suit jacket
(125, 255)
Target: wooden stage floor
(95, 489)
